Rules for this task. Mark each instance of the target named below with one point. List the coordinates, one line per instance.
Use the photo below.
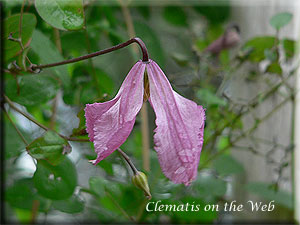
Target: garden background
(248, 89)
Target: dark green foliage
(30, 90)
(215, 14)
(175, 16)
(259, 45)
(68, 14)
(55, 182)
(12, 48)
(50, 147)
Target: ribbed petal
(180, 124)
(110, 123)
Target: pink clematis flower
(180, 122)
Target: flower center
(146, 87)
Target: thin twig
(34, 210)
(16, 128)
(101, 52)
(246, 132)
(11, 104)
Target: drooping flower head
(178, 136)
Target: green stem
(128, 160)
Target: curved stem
(126, 157)
(101, 52)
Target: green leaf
(23, 215)
(209, 187)
(224, 57)
(274, 68)
(207, 97)
(48, 53)
(33, 89)
(10, 4)
(14, 145)
(280, 20)
(71, 205)
(50, 147)
(152, 42)
(61, 14)
(97, 185)
(11, 24)
(226, 165)
(266, 191)
(223, 142)
(22, 194)
(107, 166)
(84, 89)
(175, 16)
(81, 129)
(55, 182)
(259, 45)
(289, 48)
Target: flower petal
(110, 123)
(180, 125)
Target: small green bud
(141, 182)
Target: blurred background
(236, 58)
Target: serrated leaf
(33, 89)
(11, 24)
(71, 205)
(55, 182)
(265, 190)
(50, 147)
(48, 53)
(175, 16)
(61, 14)
(280, 20)
(226, 165)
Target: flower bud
(141, 182)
